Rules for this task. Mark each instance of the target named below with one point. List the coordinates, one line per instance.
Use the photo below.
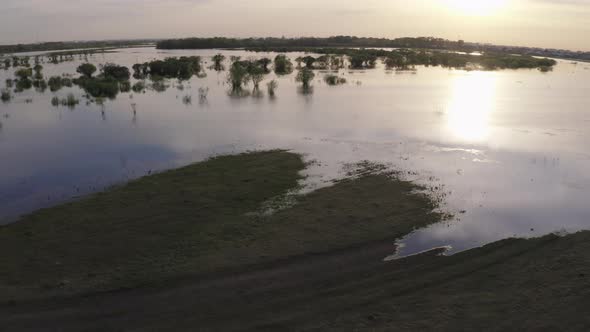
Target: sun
(477, 7)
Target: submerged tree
(305, 76)
(218, 61)
(5, 95)
(264, 63)
(238, 75)
(256, 74)
(38, 71)
(24, 73)
(283, 65)
(309, 61)
(111, 70)
(55, 83)
(334, 80)
(86, 69)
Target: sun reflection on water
(472, 102)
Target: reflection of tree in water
(203, 92)
(134, 110)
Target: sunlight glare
(471, 105)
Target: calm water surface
(508, 148)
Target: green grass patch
(198, 219)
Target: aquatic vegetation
(55, 101)
(111, 70)
(337, 62)
(359, 60)
(67, 82)
(140, 70)
(55, 83)
(24, 73)
(334, 80)
(271, 87)
(264, 63)
(187, 100)
(256, 75)
(23, 84)
(159, 85)
(138, 87)
(309, 61)
(305, 76)
(5, 95)
(407, 58)
(125, 86)
(70, 101)
(104, 87)
(7, 63)
(40, 85)
(86, 69)
(181, 68)
(218, 61)
(282, 64)
(238, 75)
(38, 72)
(9, 83)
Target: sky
(541, 23)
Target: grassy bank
(189, 249)
(194, 220)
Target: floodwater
(507, 150)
